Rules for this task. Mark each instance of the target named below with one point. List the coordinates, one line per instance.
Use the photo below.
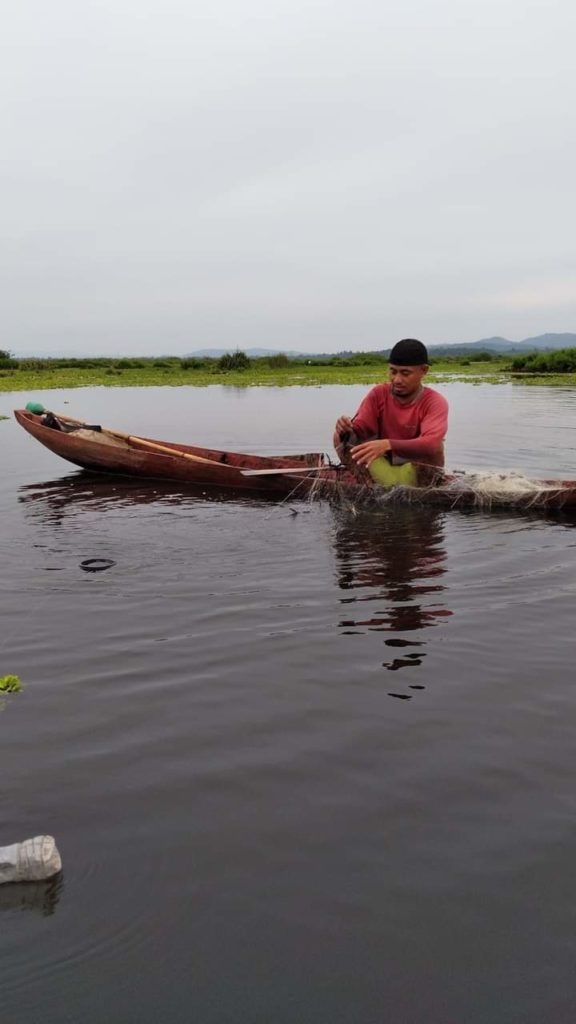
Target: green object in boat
(10, 684)
(35, 407)
(387, 475)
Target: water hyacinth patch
(10, 684)
(271, 371)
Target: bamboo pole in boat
(283, 470)
(153, 445)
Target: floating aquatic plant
(35, 375)
(10, 684)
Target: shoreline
(15, 380)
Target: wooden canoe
(107, 451)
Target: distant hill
(540, 343)
(502, 346)
(544, 341)
(497, 344)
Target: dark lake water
(301, 766)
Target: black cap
(409, 352)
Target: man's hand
(344, 425)
(364, 454)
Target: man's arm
(343, 426)
(363, 424)
(365, 453)
(366, 420)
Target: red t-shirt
(416, 430)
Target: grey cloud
(298, 175)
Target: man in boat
(400, 426)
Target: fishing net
(483, 489)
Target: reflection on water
(391, 565)
(54, 500)
(391, 562)
(41, 897)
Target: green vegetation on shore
(563, 360)
(277, 370)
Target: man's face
(405, 381)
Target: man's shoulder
(378, 393)
(433, 397)
(380, 390)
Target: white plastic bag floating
(30, 861)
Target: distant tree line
(550, 361)
(237, 360)
(563, 360)
(113, 365)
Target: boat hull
(105, 452)
(108, 452)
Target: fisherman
(399, 425)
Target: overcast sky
(292, 174)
